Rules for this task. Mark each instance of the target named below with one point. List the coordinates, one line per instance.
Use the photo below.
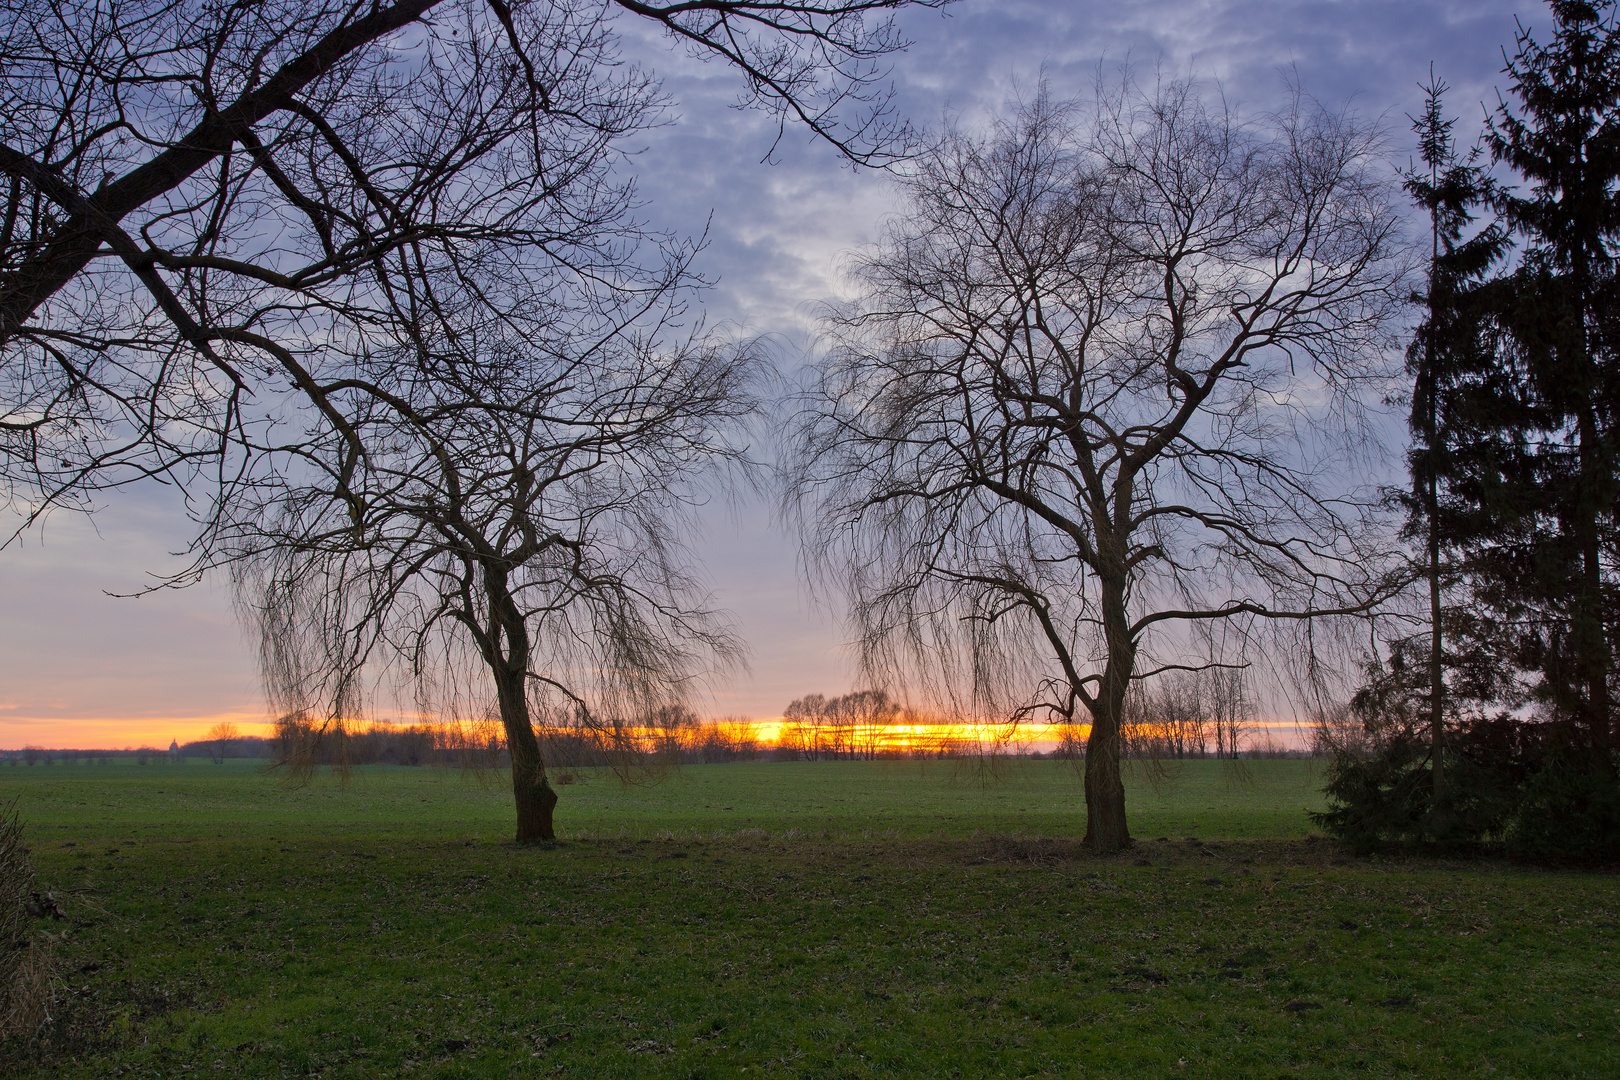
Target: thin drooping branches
(1096, 402)
(509, 533)
(197, 199)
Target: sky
(80, 666)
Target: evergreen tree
(1545, 491)
(1450, 355)
(1515, 422)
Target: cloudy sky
(81, 667)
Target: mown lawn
(1250, 800)
(890, 921)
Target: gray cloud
(775, 234)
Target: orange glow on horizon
(114, 733)
(111, 733)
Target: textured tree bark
(535, 801)
(530, 790)
(509, 665)
(1105, 788)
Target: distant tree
(221, 741)
(414, 744)
(1231, 709)
(804, 727)
(866, 715)
(728, 738)
(671, 732)
(1172, 717)
(1088, 398)
(850, 726)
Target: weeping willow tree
(498, 517)
(1095, 401)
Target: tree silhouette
(1082, 410)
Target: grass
(814, 920)
(1259, 799)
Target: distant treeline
(1200, 715)
(393, 744)
(1190, 714)
(864, 725)
(247, 746)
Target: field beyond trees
(848, 919)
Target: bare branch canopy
(196, 196)
(1099, 387)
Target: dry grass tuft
(1035, 850)
(26, 963)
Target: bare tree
(372, 272)
(866, 715)
(199, 198)
(221, 739)
(670, 733)
(1089, 402)
(727, 738)
(805, 727)
(1171, 717)
(510, 521)
(1230, 710)
(850, 726)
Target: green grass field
(1259, 799)
(805, 920)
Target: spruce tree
(1550, 495)
(1516, 430)
(1450, 359)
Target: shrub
(1528, 784)
(1568, 809)
(1384, 795)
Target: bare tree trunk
(1105, 788)
(510, 669)
(1592, 654)
(533, 794)
(1599, 662)
(1431, 511)
(1437, 668)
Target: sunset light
(112, 733)
(860, 539)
